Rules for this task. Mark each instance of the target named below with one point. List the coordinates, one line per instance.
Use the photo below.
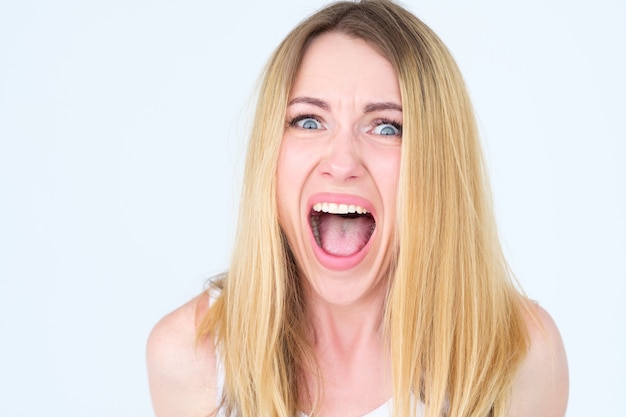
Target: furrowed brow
(381, 106)
(311, 100)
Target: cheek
(387, 180)
(387, 171)
(294, 165)
(393, 167)
(288, 182)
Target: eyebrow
(382, 106)
(371, 107)
(310, 100)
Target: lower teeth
(316, 230)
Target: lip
(332, 262)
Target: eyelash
(397, 125)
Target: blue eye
(385, 128)
(306, 122)
(309, 124)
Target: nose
(342, 160)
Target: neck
(353, 361)
(343, 327)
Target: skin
(344, 156)
(350, 95)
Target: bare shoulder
(541, 386)
(181, 373)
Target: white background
(122, 129)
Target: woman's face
(338, 168)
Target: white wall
(121, 134)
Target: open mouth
(341, 229)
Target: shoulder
(541, 385)
(181, 372)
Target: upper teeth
(334, 208)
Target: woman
(367, 278)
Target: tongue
(344, 236)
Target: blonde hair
(452, 317)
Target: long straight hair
(453, 319)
